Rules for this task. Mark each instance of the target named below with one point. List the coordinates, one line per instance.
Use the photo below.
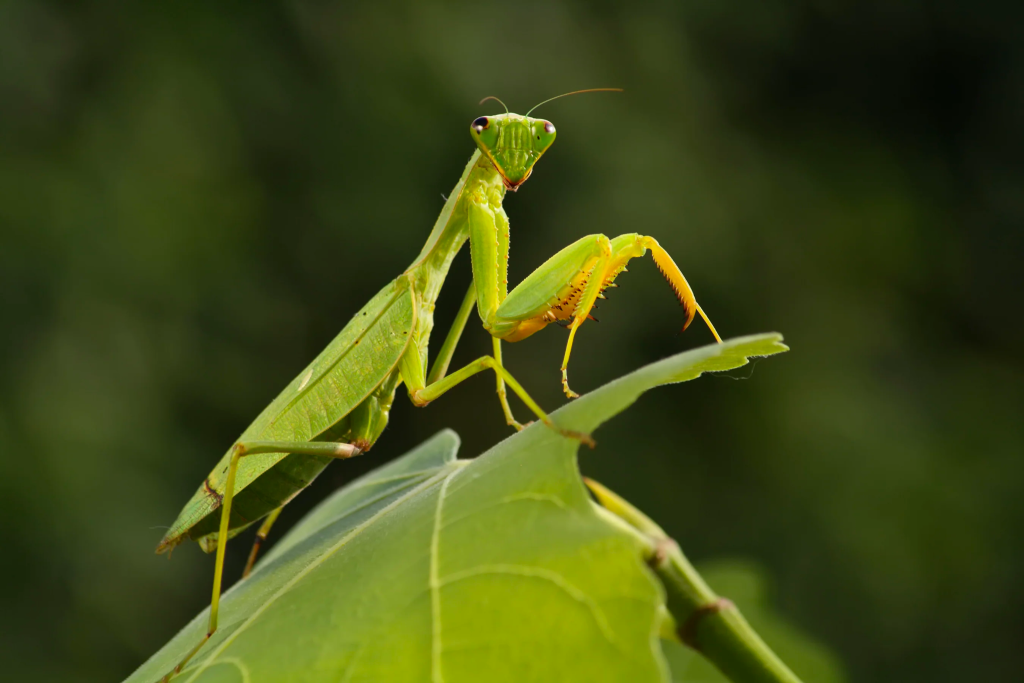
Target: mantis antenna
(492, 97)
(575, 92)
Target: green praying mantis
(338, 406)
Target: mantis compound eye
(481, 123)
(543, 134)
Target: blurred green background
(195, 197)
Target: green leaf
(438, 569)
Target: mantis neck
(479, 181)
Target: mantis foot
(584, 439)
(565, 386)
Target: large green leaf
(432, 568)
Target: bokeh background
(195, 197)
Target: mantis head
(513, 143)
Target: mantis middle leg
(421, 393)
(444, 355)
(425, 388)
(261, 536)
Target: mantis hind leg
(322, 448)
(261, 536)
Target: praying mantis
(337, 407)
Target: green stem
(706, 622)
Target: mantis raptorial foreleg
(566, 287)
(322, 448)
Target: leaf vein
(530, 495)
(553, 577)
(436, 675)
(398, 477)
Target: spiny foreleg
(565, 289)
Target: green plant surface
(745, 585)
(432, 568)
